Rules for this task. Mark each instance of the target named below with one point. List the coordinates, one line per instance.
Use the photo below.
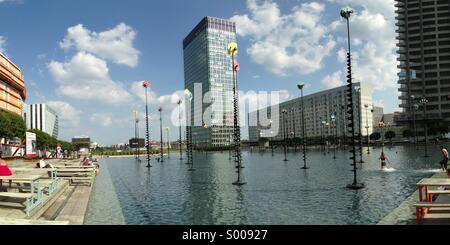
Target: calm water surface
(277, 192)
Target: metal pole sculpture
(179, 120)
(161, 133)
(367, 129)
(358, 100)
(294, 133)
(284, 111)
(232, 50)
(168, 142)
(146, 85)
(347, 13)
(136, 134)
(301, 86)
(333, 120)
(189, 150)
(425, 126)
(344, 127)
(416, 107)
(323, 136)
(382, 125)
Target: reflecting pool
(277, 192)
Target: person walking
(383, 159)
(444, 161)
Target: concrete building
(424, 56)
(208, 71)
(42, 117)
(319, 108)
(378, 113)
(12, 86)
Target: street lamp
(327, 125)
(284, 111)
(136, 134)
(294, 133)
(146, 85)
(381, 125)
(333, 120)
(346, 13)
(301, 86)
(323, 135)
(232, 50)
(424, 102)
(161, 132)
(168, 142)
(416, 107)
(179, 120)
(367, 129)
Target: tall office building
(319, 108)
(42, 117)
(208, 72)
(12, 86)
(424, 55)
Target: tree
(375, 136)
(66, 146)
(443, 130)
(390, 135)
(43, 140)
(407, 133)
(11, 125)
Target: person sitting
(85, 161)
(4, 168)
(43, 164)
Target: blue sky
(123, 42)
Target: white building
(42, 117)
(319, 108)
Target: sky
(87, 58)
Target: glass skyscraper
(208, 72)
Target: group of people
(443, 162)
(91, 162)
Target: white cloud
(86, 77)
(374, 52)
(333, 81)
(102, 119)
(68, 115)
(2, 44)
(297, 42)
(115, 44)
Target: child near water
(383, 159)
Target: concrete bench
(16, 195)
(90, 180)
(422, 209)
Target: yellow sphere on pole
(232, 48)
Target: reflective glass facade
(208, 70)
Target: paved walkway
(68, 206)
